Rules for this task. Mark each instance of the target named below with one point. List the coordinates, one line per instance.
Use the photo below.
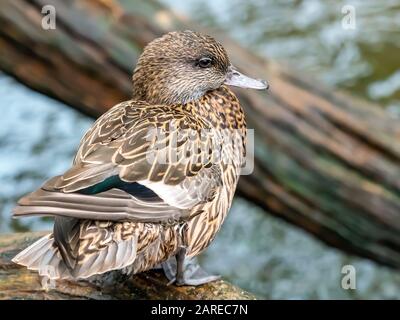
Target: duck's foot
(186, 271)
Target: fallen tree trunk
(324, 161)
(19, 283)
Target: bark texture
(19, 283)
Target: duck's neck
(149, 88)
(221, 108)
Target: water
(277, 261)
(38, 139)
(39, 136)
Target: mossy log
(19, 283)
(324, 161)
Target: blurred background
(256, 251)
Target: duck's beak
(235, 78)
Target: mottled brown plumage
(155, 176)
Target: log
(17, 282)
(324, 160)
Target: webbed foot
(186, 271)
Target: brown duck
(154, 177)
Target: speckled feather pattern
(156, 82)
(196, 118)
(156, 242)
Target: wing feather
(167, 150)
(161, 148)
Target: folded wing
(164, 150)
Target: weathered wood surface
(324, 161)
(19, 283)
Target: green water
(38, 137)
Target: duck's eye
(204, 62)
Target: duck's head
(182, 66)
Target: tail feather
(43, 257)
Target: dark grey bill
(235, 78)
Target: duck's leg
(186, 271)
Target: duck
(154, 177)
